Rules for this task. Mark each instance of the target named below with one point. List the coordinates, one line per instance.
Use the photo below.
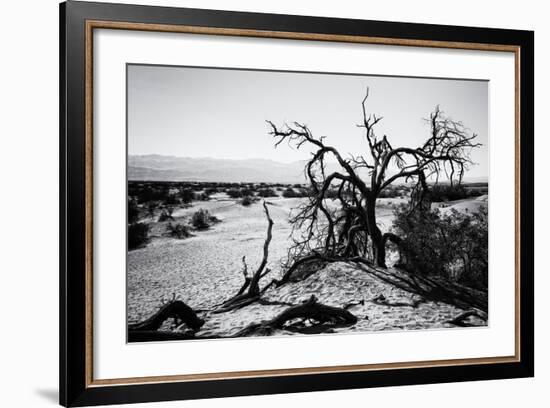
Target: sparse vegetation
(247, 191)
(133, 211)
(246, 201)
(179, 231)
(211, 190)
(289, 192)
(202, 196)
(234, 193)
(166, 214)
(448, 192)
(390, 193)
(172, 199)
(267, 192)
(187, 195)
(138, 235)
(453, 246)
(202, 219)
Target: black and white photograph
(275, 203)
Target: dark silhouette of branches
(250, 291)
(351, 230)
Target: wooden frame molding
(115, 25)
(78, 22)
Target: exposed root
(307, 265)
(382, 301)
(432, 288)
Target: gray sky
(221, 113)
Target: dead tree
(352, 231)
(251, 291)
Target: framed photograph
(256, 203)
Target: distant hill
(171, 168)
(155, 167)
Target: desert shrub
(246, 201)
(294, 193)
(447, 192)
(211, 190)
(146, 193)
(171, 199)
(241, 192)
(151, 207)
(166, 214)
(289, 193)
(138, 235)
(133, 211)
(247, 191)
(179, 231)
(187, 195)
(454, 246)
(203, 196)
(267, 192)
(202, 219)
(302, 192)
(389, 193)
(234, 193)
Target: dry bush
(202, 219)
(246, 201)
(138, 235)
(267, 192)
(166, 214)
(454, 246)
(179, 231)
(234, 193)
(187, 195)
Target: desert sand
(205, 269)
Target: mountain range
(155, 167)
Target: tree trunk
(378, 242)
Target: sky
(222, 113)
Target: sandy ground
(205, 270)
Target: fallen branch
(325, 318)
(247, 278)
(352, 304)
(250, 291)
(176, 310)
(460, 320)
